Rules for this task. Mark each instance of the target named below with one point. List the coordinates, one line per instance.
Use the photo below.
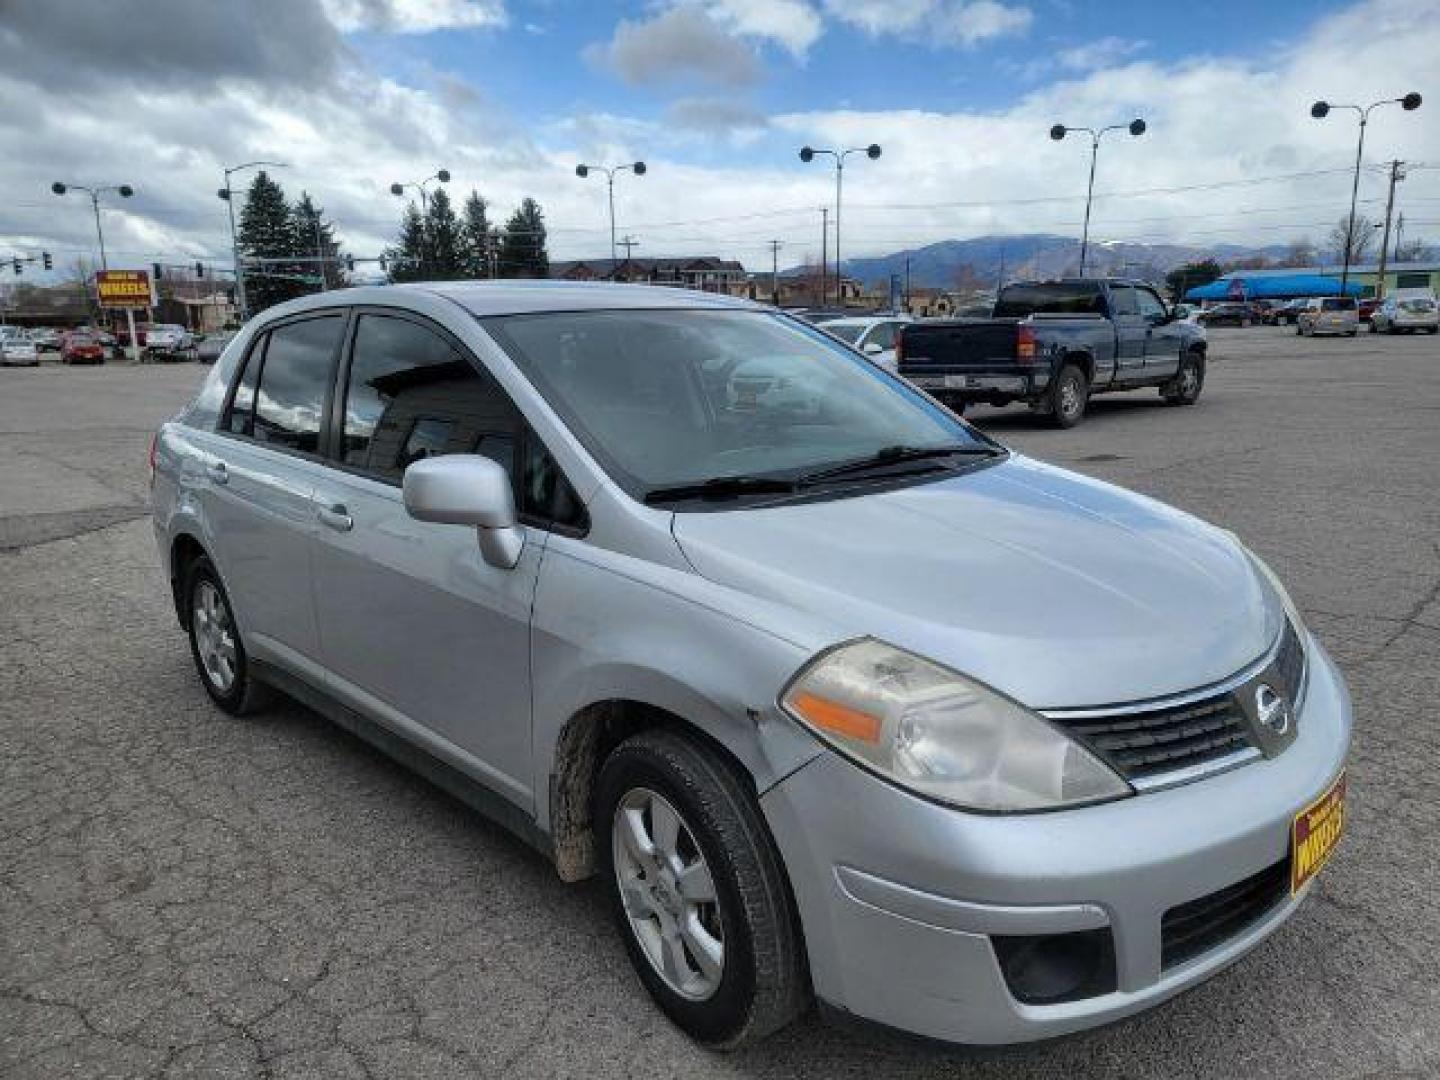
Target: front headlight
(941, 735)
(1280, 591)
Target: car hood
(1051, 587)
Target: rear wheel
(1068, 396)
(699, 891)
(215, 642)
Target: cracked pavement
(183, 894)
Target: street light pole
(1321, 109)
(582, 171)
(442, 175)
(226, 193)
(808, 154)
(1136, 128)
(125, 191)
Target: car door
(1130, 334)
(417, 630)
(258, 481)
(1164, 337)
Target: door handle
(336, 517)
(217, 472)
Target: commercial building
(1277, 283)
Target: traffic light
(156, 271)
(199, 270)
(15, 264)
(350, 263)
(46, 261)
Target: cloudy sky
(716, 96)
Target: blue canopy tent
(1272, 287)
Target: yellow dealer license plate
(1314, 834)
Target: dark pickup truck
(1052, 344)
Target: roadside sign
(123, 288)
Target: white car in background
(16, 348)
(1408, 313)
(873, 335)
(169, 340)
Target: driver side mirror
(467, 489)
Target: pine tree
(442, 227)
(522, 249)
(407, 259)
(267, 231)
(314, 236)
(475, 237)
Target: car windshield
(1051, 298)
(848, 332)
(665, 399)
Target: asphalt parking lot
(185, 894)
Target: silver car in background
(1406, 314)
(842, 699)
(1329, 315)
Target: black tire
(763, 983)
(1189, 380)
(1066, 409)
(244, 694)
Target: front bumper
(899, 896)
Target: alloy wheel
(668, 894)
(214, 632)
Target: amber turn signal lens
(838, 719)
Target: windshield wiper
(892, 455)
(721, 487)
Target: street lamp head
(1410, 102)
(397, 189)
(1058, 132)
(125, 191)
(639, 168)
(872, 151)
(1137, 127)
(224, 193)
(582, 171)
(1320, 110)
(806, 154)
(443, 176)
(58, 188)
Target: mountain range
(982, 261)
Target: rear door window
(294, 376)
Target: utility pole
(907, 283)
(824, 248)
(775, 272)
(1397, 173)
(320, 251)
(1399, 228)
(627, 243)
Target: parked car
(1051, 344)
(169, 341)
(80, 347)
(1407, 314)
(122, 337)
(16, 348)
(45, 339)
(1236, 313)
(1329, 315)
(838, 702)
(208, 347)
(874, 335)
(1287, 313)
(1365, 308)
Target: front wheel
(1069, 396)
(1189, 380)
(699, 891)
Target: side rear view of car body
(837, 695)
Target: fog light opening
(1049, 969)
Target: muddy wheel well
(581, 750)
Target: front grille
(1198, 926)
(1140, 745)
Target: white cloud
(415, 16)
(1101, 53)
(793, 24)
(947, 22)
(680, 44)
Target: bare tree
(1301, 252)
(1357, 240)
(1412, 251)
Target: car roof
(523, 297)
